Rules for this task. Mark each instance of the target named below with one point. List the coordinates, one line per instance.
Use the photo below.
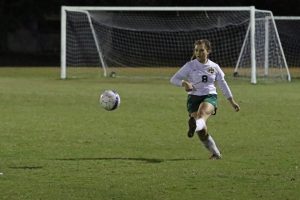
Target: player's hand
(187, 86)
(234, 104)
(236, 107)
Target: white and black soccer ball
(110, 100)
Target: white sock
(211, 146)
(200, 124)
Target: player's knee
(201, 113)
(194, 115)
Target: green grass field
(58, 143)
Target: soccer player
(198, 77)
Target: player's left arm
(226, 90)
(234, 104)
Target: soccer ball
(110, 100)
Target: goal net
(156, 41)
(289, 32)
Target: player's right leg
(192, 126)
(204, 112)
(193, 103)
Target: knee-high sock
(211, 145)
(200, 124)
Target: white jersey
(202, 77)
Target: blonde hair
(202, 41)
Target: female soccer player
(198, 77)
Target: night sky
(43, 17)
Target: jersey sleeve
(180, 75)
(220, 78)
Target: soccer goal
(156, 41)
(289, 32)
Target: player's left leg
(209, 144)
(206, 109)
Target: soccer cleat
(192, 127)
(215, 157)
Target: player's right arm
(180, 78)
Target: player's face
(201, 52)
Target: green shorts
(194, 101)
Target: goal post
(113, 38)
(268, 54)
(289, 32)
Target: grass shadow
(26, 167)
(146, 160)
